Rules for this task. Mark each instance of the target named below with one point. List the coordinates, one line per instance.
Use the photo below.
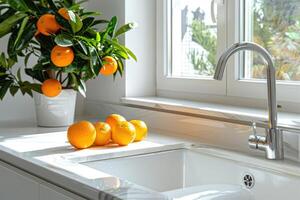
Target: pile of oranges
(115, 130)
(62, 57)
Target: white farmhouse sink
(196, 174)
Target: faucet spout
(272, 143)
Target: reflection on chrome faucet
(272, 143)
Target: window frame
(167, 83)
(232, 86)
(237, 87)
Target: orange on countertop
(123, 133)
(82, 134)
(113, 119)
(141, 129)
(103, 133)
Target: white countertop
(45, 153)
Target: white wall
(139, 77)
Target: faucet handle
(254, 128)
(253, 138)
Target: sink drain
(248, 180)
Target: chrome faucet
(272, 143)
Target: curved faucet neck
(271, 77)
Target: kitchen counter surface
(45, 153)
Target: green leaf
(87, 22)
(111, 27)
(123, 48)
(19, 5)
(52, 5)
(26, 37)
(125, 28)
(10, 46)
(69, 3)
(10, 63)
(64, 23)
(100, 21)
(98, 37)
(6, 25)
(21, 30)
(26, 88)
(32, 6)
(7, 14)
(122, 54)
(4, 88)
(13, 90)
(3, 61)
(82, 88)
(27, 58)
(83, 47)
(73, 81)
(120, 67)
(63, 40)
(75, 22)
(86, 14)
(19, 74)
(35, 74)
(36, 87)
(132, 55)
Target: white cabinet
(51, 192)
(17, 186)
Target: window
(194, 39)
(276, 26)
(190, 39)
(192, 34)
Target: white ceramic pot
(55, 112)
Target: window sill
(232, 114)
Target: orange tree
(66, 40)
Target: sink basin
(193, 173)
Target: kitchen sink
(200, 173)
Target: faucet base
(272, 144)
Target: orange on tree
(62, 56)
(141, 129)
(110, 66)
(64, 13)
(103, 133)
(82, 134)
(123, 133)
(113, 119)
(51, 87)
(47, 24)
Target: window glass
(275, 25)
(194, 38)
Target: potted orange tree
(70, 45)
